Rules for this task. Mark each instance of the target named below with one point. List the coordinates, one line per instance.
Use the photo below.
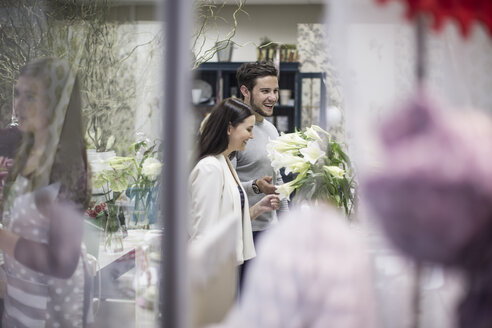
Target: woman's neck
(227, 152)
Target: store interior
(393, 230)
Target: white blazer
(214, 196)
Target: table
(113, 266)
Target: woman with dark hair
(216, 191)
(45, 194)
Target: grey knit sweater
(253, 163)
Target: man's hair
(247, 73)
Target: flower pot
(224, 50)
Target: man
(258, 84)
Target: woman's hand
(266, 204)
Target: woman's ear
(229, 129)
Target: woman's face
(31, 104)
(239, 135)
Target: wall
(278, 22)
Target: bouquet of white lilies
(322, 170)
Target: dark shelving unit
(222, 77)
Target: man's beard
(256, 108)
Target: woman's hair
(69, 166)
(214, 139)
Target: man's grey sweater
(252, 164)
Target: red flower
(91, 213)
(103, 206)
(98, 209)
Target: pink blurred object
(434, 194)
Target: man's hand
(265, 185)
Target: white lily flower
(284, 190)
(317, 128)
(271, 152)
(312, 152)
(292, 163)
(282, 145)
(311, 133)
(335, 171)
(293, 138)
(151, 168)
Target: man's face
(264, 95)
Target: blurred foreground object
(464, 12)
(433, 195)
(314, 274)
(213, 273)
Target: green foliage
(80, 32)
(208, 17)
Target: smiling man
(258, 84)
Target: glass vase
(137, 218)
(113, 233)
(142, 207)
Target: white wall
(277, 22)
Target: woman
(216, 191)
(45, 194)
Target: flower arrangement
(134, 176)
(321, 170)
(143, 189)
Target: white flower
(311, 133)
(335, 171)
(271, 152)
(312, 152)
(151, 168)
(281, 145)
(291, 162)
(317, 128)
(284, 190)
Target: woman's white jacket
(214, 196)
